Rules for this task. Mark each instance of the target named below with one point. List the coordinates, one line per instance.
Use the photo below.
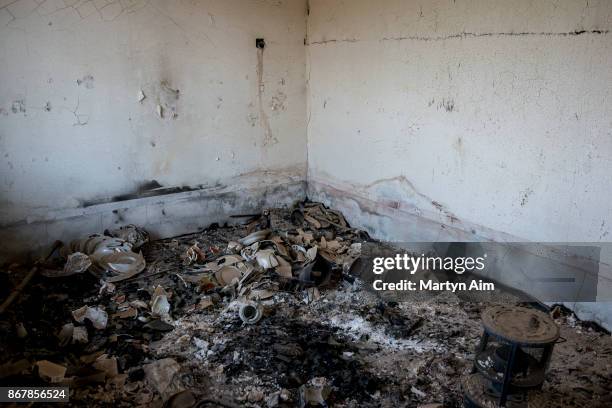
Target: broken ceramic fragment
(107, 364)
(132, 234)
(254, 237)
(50, 372)
(227, 274)
(96, 315)
(250, 313)
(266, 259)
(160, 306)
(109, 254)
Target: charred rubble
(264, 313)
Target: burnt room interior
(192, 193)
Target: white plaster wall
(72, 129)
(465, 120)
(490, 117)
(427, 120)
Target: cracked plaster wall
(465, 120)
(431, 120)
(484, 116)
(99, 98)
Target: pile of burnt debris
(265, 313)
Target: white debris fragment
(250, 312)
(357, 327)
(69, 334)
(50, 372)
(266, 259)
(160, 306)
(418, 392)
(77, 263)
(21, 330)
(311, 295)
(79, 335)
(355, 249)
(311, 254)
(131, 234)
(106, 287)
(108, 254)
(234, 247)
(96, 315)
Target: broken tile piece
(50, 372)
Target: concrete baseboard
(395, 221)
(162, 216)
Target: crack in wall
(107, 10)
(80, 119)
(466, 35)
(350, 40)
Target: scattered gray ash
(289, 353)
(389, 315)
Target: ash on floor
(263, 314)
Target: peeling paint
(91, 74)
(471, 108)
(18, 106)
